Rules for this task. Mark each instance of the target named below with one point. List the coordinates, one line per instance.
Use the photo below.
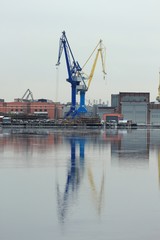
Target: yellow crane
(83, 88)
(101, 50)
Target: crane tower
(74, 72)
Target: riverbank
(77, 126)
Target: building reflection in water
(29, 139)
(155, 146)
(159, 166)
(33, 144)
(129, 147)
(132, 148)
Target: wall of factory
(135, 111)
(50, 109)
(16, 107)
(43, 108)
(154, 113)
(155, 116)
(102, 109)
(2, 107)
(115, 100)
(133, 97)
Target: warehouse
(133, 106)
(154, 109)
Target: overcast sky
(29, 43)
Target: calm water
(73, 185)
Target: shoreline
(78, 126)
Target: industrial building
(37, 108)
(136, 106)
(154, 112)
(133, 106)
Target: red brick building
(47, 108)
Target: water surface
(73, 185)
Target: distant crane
(74, 71)
(158, 97)
(25, 97)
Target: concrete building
(101, 109)
(136, 112)
(154, 109)
(133, 106)
(115, 100)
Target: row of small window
(155, 115)
(16, 110)
(40, 110)
(21, 110)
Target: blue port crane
(75, 77)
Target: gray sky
(29, 44)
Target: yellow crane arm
(100, 51)
(103, 59)
(93, 69)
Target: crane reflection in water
(68, 195)
(74, 177)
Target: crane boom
(99, 52)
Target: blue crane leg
(73, 97)
(82, 108)
(73, 111)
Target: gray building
(133, 106)
(154, 109)
(115, 100)
(135, 111)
